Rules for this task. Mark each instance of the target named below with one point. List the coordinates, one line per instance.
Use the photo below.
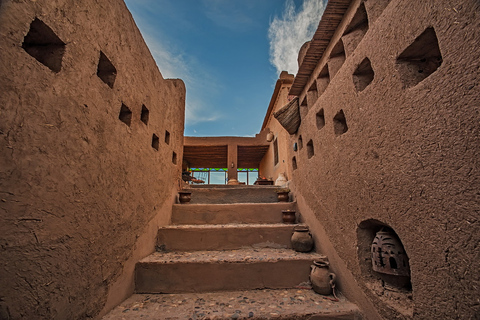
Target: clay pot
(282, 196)
(322, 280)
(288, 216)
(302, 240)
(184, 196)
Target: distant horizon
(228, 53)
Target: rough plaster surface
(408, 160)
(78, 186)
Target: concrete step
(230, 213)
(253, 304)
(224, 237)
(208, 271)
(234, 194)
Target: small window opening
(340, 123)
(356, 30)
(337, 58)
(145, 114)
(320, 119)
(363, 75)
(125, 115)
(155, 142)
(44, 45)
(310, 151)
(167, 137)
(294, 163)
(420, 59)
(174, 158)
(323, 80)
(300, 143)
(275, 152)
(106, 70)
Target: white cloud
(288, 33)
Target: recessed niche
(300, 143)
(420, 59)
(144, 115)
(323, 80)
(356, 29)
(337, 58)
(174, 158)
(310, 151)
(340, 123)
(44, 45)
(385, 264)
(320, 119)
(294, 163)
(375, 8)
(106, 71)
(125, 115)
(167, 137)
(312, 94)
(155, 142)
(363, 75)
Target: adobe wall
(83, 187)
(407, 158)
(268, 168)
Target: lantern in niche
(388, 254)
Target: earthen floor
(298, 303)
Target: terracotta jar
(282, 196)
(288, 216)
(302, 240)
(184, 196)
(322, 280)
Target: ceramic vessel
(288, 216)
(321, 278)
(302, 240)
(282, 196)
(281, 180)
(184, 196)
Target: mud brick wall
(91, 140)
(392, 139)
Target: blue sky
(229, 53)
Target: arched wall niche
(394, 257)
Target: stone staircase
(227, 255)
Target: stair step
(207, 271)
(224, 237)
(234, 194)
(230, 213)
(253, 304)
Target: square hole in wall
(155, 142)
(125, 115)
(167, 137)
(340, 123)
(300, 143)
(310, 150)
(420, 59)
(44, 45)
(294, 163)
(323, 80)
(174, 158)
(106, 71)
(356, 29)
(363, 75)
(337, 58)
(320, 119)
(145, 114)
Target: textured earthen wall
(80, 188)
(409, 158)
(268, 168)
